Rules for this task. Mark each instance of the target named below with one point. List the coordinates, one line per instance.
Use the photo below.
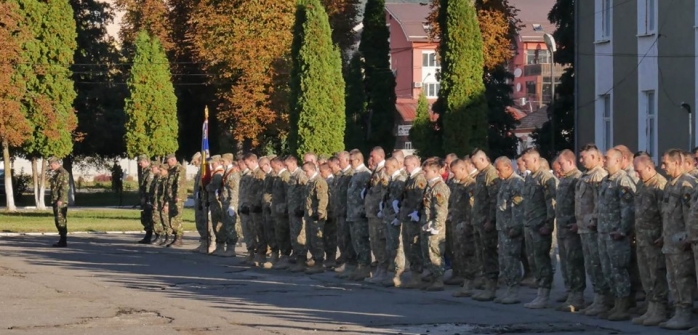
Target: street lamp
(552, 47)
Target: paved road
(107, 284)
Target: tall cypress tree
(151, 108)
(461, 104)
(379, 79)
(317, 85)
(355, 97)
(423, 135)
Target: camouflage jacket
(539, 205)
(178, 182)
(565, 202)
(460, 203)
(510, 204)
(630, 171)
(435, 205)
(198, 192)
(214, 186)
(355, 200)
(485, 194)
(296, 188)
(159, 191)
(413, 195)
(316, 198)
(676, 207)
(280, 189)
(394, 194)
(60, 186)
(268, 189)
(375, 192)
(648, 204)
(342, 186)
(694, 173)
(245, 180)
(331, 185)
(230, 194)
(167, 194)
(586, 199)
(144, 187)
(256, 190)
(616, 206)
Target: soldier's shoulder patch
(440, 198)
(517, 200)
(626, 193)
(686, 198)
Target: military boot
(362, 272)
(218, 249)
(466, 290)
(377, 276)
(176, 242)
(641, 319)
(512, 296)
(498, 299)
(575, 302)
(62, 242)
(415, 281)
(489, 293)
(164, 241)
(260, 259)
(299, 266)
(330, 261)
(455, 279)
(156, 238)
(347, 271)
(393, 280)
(282, 264)
(318, 267)
(680, 321)
(272, 261)
(597, 307)
(621, 313)
(529, 281)
(541, 300)
(658, 315)
(148, 237)
(563, 298)
(229, 250)
(604, 315)
(436, 285)
(479, 283)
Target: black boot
(148, 237)
(62, 243)
(176, 242)
(164, 240)
(156, 238)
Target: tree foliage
(151, 108)
(461, 102)
(317, 85)
(149, 15)
(562, 15)
(355, 102)
(246, 45)
(379, 79)
(501, 138)
(342, 15)
(49, 89)
(423, 134)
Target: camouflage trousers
(282, 233)
(217, 224)
(346, 248)
(229, 225)
(509, 258)
(592, 262)
(542, 266)
(315, 237)
(450, 252)
(615, 263)
(360, 241)
(200, 219)
(147, 217)
(528, 256)
(269, 227)
(486, 244)
(247, 227)
(433, 248)
(164, 220)
(175, 216)
(158, 225)
(376, 235)
(634, 270)
(261, 245)
(465, 261)
(393, 247)
(60, 217)
(652, 265)
(412, 243)
(572, 262)
(681, 276)
(329, 236)
(298, 237)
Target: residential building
(636, 62)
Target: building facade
(636, 74)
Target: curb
(77, 233)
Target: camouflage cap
(228, 157)
(143, 158)
(54, 159)
(215, 158)
(170, 156)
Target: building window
(531, 87)
(607, 122)
(606, 16)
(429, 59)
(537, 56)
(408, 146)
(650, 123)
(431, 90)
(648, 22)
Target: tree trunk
(68, 165)
(35, 181)
(9, 194)
(42, 189)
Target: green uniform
(215, 206)
(435, 212)
(315, 214)
(176, 181)
(229, 196)
(60, 187)
(146, 200)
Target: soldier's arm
(549, 189)
(687, 194)
(492, 185)
(595, 188)
(440, 201)
(322, 193)
(517, 203)
(627, 206)
(65, 188)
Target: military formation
(396, 221)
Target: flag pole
(204, 179)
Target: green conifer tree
(423, 135)
(355, 97)
(317, 85)
(151, 108)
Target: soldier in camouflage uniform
(392, 223)
(347, 256)
(294, 201)
(279, 204)
(254, 192)
(177, 179)
(569, 242)
(616, 217)
(200, 215)
(213, 188)
(648, 231)
(246, 211)
(433, 222)
(460, 211)
(163, 209)
(60, 187)
(356, 215)
(146, 201)
(228, 195)
(155, 186)
(484, 214)
(330, 233)
(676, 244)
(374, 206)
(509, 228)
(268, 225)
(412, 199)
(316, 195)
(539, 223)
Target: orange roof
(516, 113)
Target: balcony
(542, 70)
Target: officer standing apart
(146, 200)
(60, 187)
